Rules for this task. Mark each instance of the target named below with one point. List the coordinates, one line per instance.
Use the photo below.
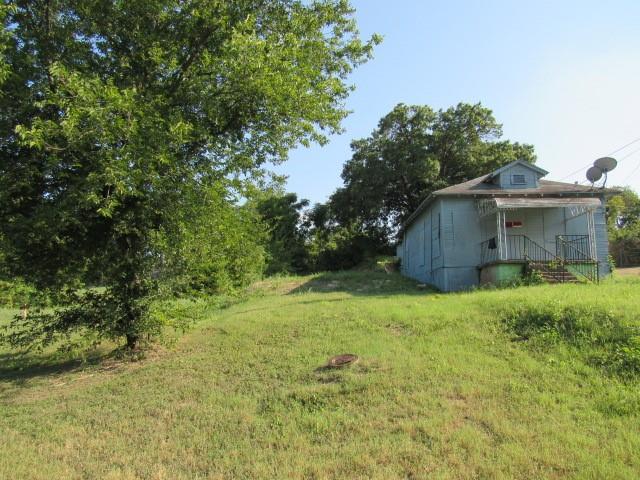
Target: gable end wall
(531, 177)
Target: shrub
(341, 249)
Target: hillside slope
(442, 390)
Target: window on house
(518, 179)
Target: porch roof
(578, 204)
(546, 202)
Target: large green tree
(113, 114)
(414, 151)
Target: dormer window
(516, 175)
(518, 179)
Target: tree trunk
(132, 341)
(132, 290)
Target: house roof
(481, 187)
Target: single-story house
(501, 225)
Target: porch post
(504, 233)
(592, 235)
(499, 234)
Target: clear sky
(562, 75)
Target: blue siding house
(504, 224)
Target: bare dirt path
(628, 272)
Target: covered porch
(555, 236)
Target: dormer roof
(541, 172)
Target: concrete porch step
(553, 274)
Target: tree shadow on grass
(359, 283)
(11, 372)
(18, 368)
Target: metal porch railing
(571, 261)
(575, 252)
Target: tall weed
(603, 338)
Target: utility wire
(627, 145)
(635, 169)
(608, 155)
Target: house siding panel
(422, 249)
(463, 231)
(576, 225)
(413, 260)
(532, 224)
(554, 225)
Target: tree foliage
(623, 211)
(115, 114)
(218, 247)
(623, 216)
(414, 151)
(286, 245)
(333, 245)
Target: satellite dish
(606, 164)
(594, 174)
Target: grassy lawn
(442, 390)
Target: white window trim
(518, 175)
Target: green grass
(443, 389)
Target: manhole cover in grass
(342, 360)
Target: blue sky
(562, 75)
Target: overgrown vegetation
(16, 293)
(286, 232)
(602, 337)
(219, 248)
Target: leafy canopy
(282, 215)
(623, 211)
(414, 151)
(116, 114)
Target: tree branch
(195, 51)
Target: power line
(628, 155)
(622, 148)
(608, 155)
(573, 173)
(635, 169)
